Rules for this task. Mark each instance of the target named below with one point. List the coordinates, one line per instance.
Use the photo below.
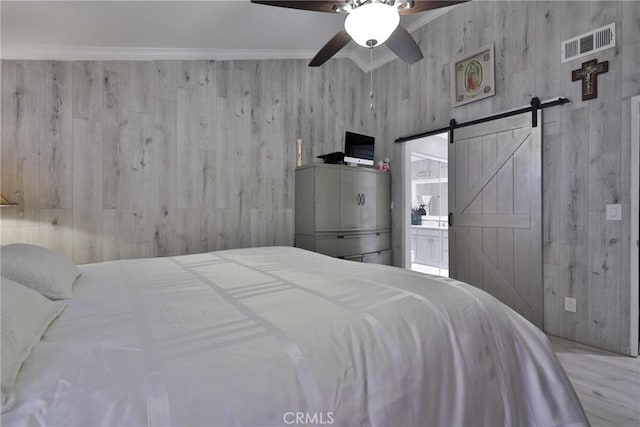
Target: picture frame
(473, 77)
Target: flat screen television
(358, 148)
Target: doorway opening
(427, 243)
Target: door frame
(405, 199)
(405, 206)
(634, 283)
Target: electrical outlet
(570, 304)
(614, 212)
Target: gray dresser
(344, 211)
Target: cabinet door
(428, 253)
(349, 189)
(327, 189)
(445, 253)
(383, 200)
(422, 248)
(437, 250)
(369, 190)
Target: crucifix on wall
(589, 76)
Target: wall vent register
(588, 43)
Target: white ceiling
(229, 29)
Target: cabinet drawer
(383, 257)
(353, 245)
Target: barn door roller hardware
(533, 108)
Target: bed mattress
(282, 336)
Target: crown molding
(357, 59)
(376, 63)
(428, 17)
(101, 53)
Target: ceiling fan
(369, 23)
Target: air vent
(586, 44)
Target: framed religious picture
(472, 77)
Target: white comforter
(273, 336)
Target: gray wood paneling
(56, 230)
(87, 90)
(116, 234)
(141, 86)
(142, 168)
(56, 173)
(116, 140)
(165, 194)
(165, 80)
(551, 146)
(186, 147)
(120, 159)
(585, 145)
(20, 171)
(87, 191)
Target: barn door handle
(450, 219)
(364, 199)
(359, 199)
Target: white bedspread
(254, 336)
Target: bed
(281, 336)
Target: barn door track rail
(532, 108)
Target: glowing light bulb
(372, 24)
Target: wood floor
(608, 384)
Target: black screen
(358, 146)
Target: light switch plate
(570, 304)
(614, 212)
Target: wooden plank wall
(585, 145)
(112, 160)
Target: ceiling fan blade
(332, 47)
(404, 45)
(424, 5)
(313, 5)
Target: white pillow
(40, 269)
(25, 315)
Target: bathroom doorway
(427, 242)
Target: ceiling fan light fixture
(372, 24)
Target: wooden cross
(589, 76)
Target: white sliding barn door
(496, 204)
